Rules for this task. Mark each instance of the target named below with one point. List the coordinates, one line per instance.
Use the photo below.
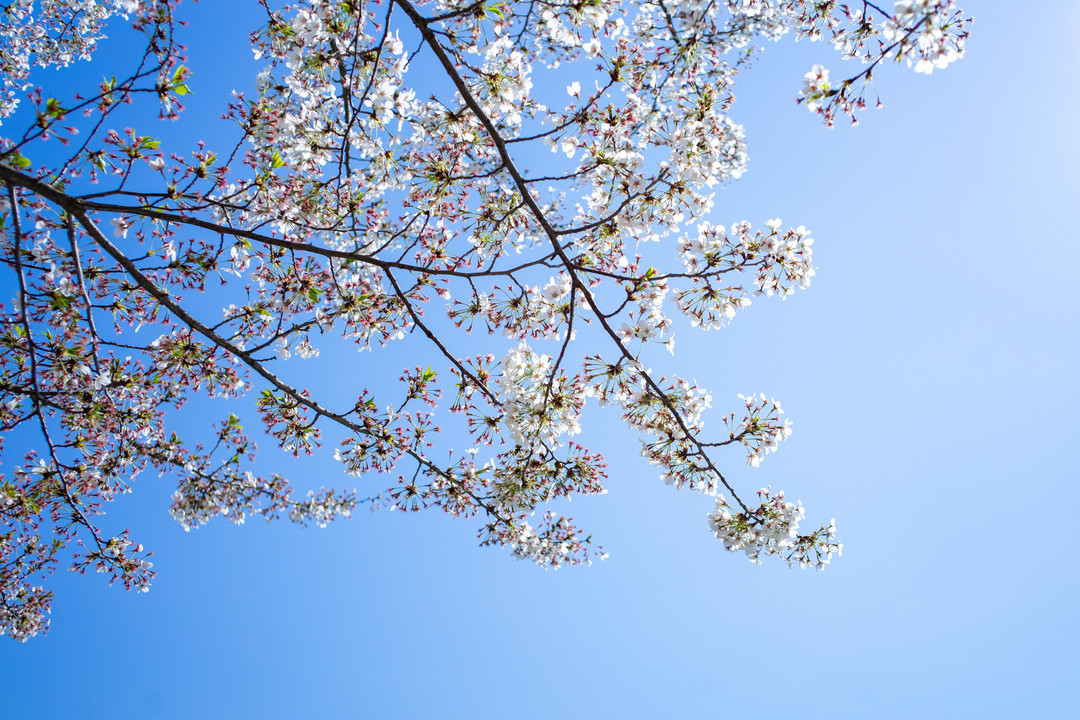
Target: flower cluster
(769, 529)
(556, 542)
(928, 33)
(210, 487)
(925, 33)
(772, 528)
(538, 405)
(54, 34)
(760, 429)
(781, 262)
(23, 612)
(24, 554)
(816, 88)
(121, 558)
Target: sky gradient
(931, 373)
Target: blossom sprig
(772, 528)
(926, 34)
(555, 542)
(181, 355)
(210, 486)
(929, 33)
(289, 422)
(24, 612)
(524, 477)
(56, 34)
(459, 490)
(781, 261)
(539, 404)
(121, 559)
(669, 416)
(224, 492)
(26, 557)
(816, 549)
(761, 429)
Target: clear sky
(931, 373)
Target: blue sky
(931, 374)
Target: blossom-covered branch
(524, 188)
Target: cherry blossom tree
(537, 173)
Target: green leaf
(59, 301)
(177, 82)
(53, 109)
(18, 160)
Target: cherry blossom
(773, 529)
(524, 190)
